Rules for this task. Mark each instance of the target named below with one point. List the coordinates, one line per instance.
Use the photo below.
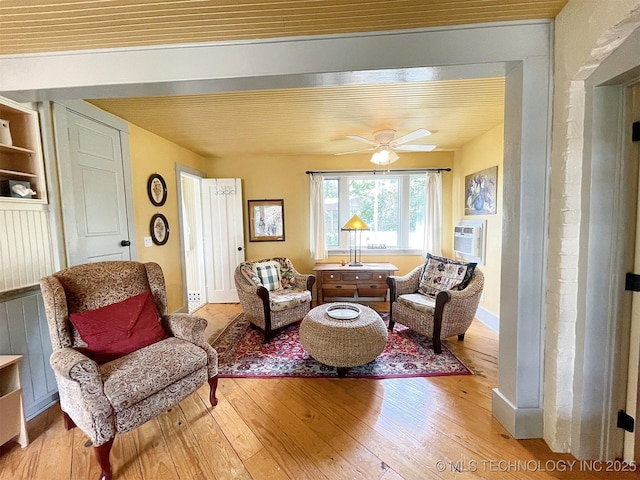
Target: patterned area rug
(241, 353)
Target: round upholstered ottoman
(343, 342)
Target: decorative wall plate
(159, 228)
(157, 190)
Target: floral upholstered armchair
(273, 294)
(438, 299)
(119, 357)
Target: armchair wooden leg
(213, 385)
(263, 293)
(461, 337)
(68, 423)
(441, 299)
(437, 344)
(267, 336)
(102, 455)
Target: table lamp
(355, 225)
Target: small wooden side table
(354, 282)
(12, 421)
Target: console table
(334, 280)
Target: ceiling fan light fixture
(384, 156)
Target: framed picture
(266, 220)
(159, 228)
(480, 192)
(157, 190)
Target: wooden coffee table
(343, 343)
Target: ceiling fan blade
(419, 133)
(361, 139)
(415, 148)
(355, 151)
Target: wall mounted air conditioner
(469, 240)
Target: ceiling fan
(385, 145)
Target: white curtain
(433, 214)
(317, 236)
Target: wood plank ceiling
(291, 121)
(317, 120)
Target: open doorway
(211, 236)
(192, 247)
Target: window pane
(417, 194)
(331, 210)
(376, 203)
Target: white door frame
(608, 182)
(632, 439)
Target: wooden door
(223, 236)
(92, 189)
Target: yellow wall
(153, 154)
(483, 152)
(269, 177)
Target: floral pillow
(444, 274)
(287, 277)
(249, 274)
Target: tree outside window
(393, 206)
(376, 203)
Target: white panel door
(223, 236)
(93, 192)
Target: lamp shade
(355, 223)
(384, 156)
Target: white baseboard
(520, 422)
(490, 319)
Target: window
(393, 206)
(331, 217)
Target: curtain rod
(409, 170)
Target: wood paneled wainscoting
(24, 331)
(411, 428)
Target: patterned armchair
(118, 357)
(273, 294)
(438, 313)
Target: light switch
(147, 242)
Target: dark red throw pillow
(120, 328)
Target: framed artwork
(480, 192)
(159, 228)
(157, 190)
(266, 220)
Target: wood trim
(14, 293)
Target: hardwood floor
(412, 428)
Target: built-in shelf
(12, 419)
(12, 148)
(21, 161)
(17, 173)
(27, 383)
